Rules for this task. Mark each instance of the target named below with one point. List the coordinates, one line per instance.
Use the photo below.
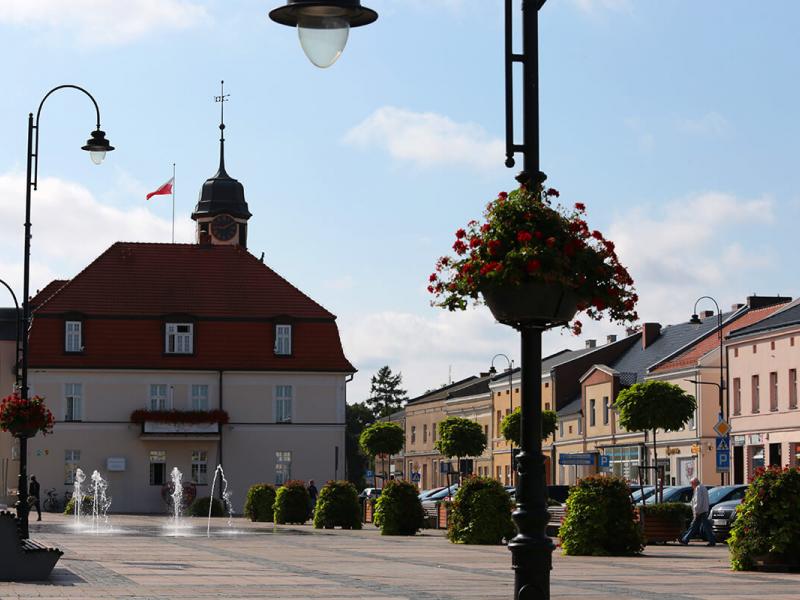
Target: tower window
(283, 339)
(179, 338)
(73, 338)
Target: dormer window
(179, 338)
(73, 336)
(283, 339)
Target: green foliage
(481, 513)
(199, 507)
(292, 503)
(398, 510)
(654, 405)
(258, 505)
(768, 520)
(86, 506)
(358, 416)
(338, 505)
(385, 395)
(600, 519)
(510, 426)
(460, 437)
(675, 512)
(382, 438)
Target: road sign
(605, 460)
(416, 477)
(722, 428)
(369, 474)
(583, 458)
(723, 461)
(723, 443)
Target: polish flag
(164, 189)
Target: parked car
(722, 517)
(643, 493)
(724, 493)
(429, 504)
(673, 493)
(371, 493)
(558, 493)
(425, 494)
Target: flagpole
(173, 203)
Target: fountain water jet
(77, 493)
(177, 496)
(100, 501)
(226, 498)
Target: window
(791, 341)
(754, 392)
(72, 459)
(72, 337)
(179, 338)
(792, 388)
(413, 434)
(283, 403)
(580, 424)
(755, 348)
(570, 429)
(499, 472)
(158, 467)
(508, 474)
(486, 432)
(200, 467)
(283, 467)
(737, 396)
(73, 401)
(591, 413)
(433, 432)
(283, 339)
(605, 410)
(561, 428)
(773, 391)
(547, 406)
(159, 398)
(736, 352)
(772, 345)
(424, 433)
(499, 419)
(199, 397)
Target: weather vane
(222, 99)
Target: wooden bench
(23, 559)
(557, 514)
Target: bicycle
(52, 502)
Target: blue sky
(675, 122)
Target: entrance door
(775, 455)
(738, 464)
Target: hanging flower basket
(25, 418)
(535, 263)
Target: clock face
(223, 227)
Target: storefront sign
(115, 463)
(738, 440)
(581, 459)
(755, 438)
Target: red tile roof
(128, 292)
(690, 357)
(47, 291)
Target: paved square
(140, 562)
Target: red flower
(552, 192)
(609, 246)
(538, 235)
(430, 289)
(534, 265)
(524, 236)
(597, 235)
(551, 241)
(460, 247)
(485, 227)
(432, 278)
(460, 233)
(580, 206)
(494, 247)
(577, 326)
(475, 242)
(502, 195)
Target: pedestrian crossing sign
(723, 444)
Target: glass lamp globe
(323, 40)
(97, 156)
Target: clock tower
(221, 212)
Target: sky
(676, 123)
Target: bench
(23, 559)
(557, 514)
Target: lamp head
(492, 370)
(97, 146)
(695, 320)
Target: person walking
(700, 523)
(33, 493)
(312, 492)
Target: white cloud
(427, 139)
(103, 22)
(70, 228)
(711, 123)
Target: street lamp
(493, 371)
(16, 354)
(323, 27)
(531, 549)
(695, 320)
(97, 145)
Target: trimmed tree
(460, 437)
(653, 405)
(385, 394)
(381, 439)
(358, 416)
(510, 426)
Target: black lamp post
(493, 371)
(695, 320)
(97, 145)
(18, 318)
(531, 549)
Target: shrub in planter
(600, 519)
(258, 506)
(481, 513)
(664, 522)
(766, 533)
(292, 503)
(398, 510)
(199, 507)
(86, 506)
(338, 505)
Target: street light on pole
(493, 371)
(97, 146)
(531, 549)
(18, 318)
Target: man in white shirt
(700, 523)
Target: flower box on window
(180, 421)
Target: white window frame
(72, 460)
(159, 400)
(73, 402)
(283, 466)
(200, 396)
(73, 336)
(283, 403)
(283, 339)
(200, 467)
(179, 338)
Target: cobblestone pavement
(141, 562)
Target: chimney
(591, 343)
(610, 339)
(650, 331)
(761, 301)
(629, 331)
(737, 306)
(706, 314)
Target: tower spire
(222, 99)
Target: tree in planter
(510, 426)
(481, 513)
(398, 510)
(258, 505)
(460, 437)
(358, 416)
(382, 439)
(653, 405)
(338, 505)
(385, 395)
(292, 503)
